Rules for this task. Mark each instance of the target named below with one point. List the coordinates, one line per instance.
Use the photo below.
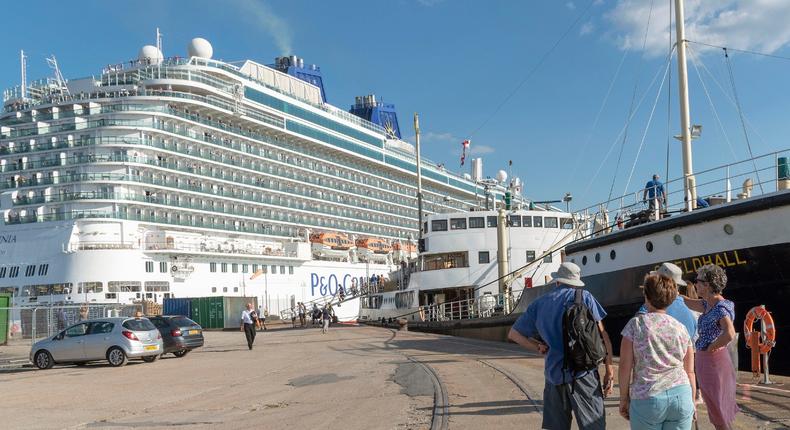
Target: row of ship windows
(234, 268)
(89, 287)
(454, 260)
(365, 180)
(30, 270)
(491, 221)
(256, 269)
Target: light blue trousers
(669, 410)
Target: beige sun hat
(568, 274)
(670, 271)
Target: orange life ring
(760, 313)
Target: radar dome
(467, 176)
(150, 54)
(199, 47)
(501, 176)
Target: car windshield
(183, 322)
(139, 325)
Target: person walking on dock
(325, 317)
(657, 381)
(714, 367)
(248, 318)
(544, 328)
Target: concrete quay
(354, 377)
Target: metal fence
(29, 324)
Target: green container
(782, 168)
(5, 303)
(216, 316)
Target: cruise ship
(186, 176)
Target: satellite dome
(199, 47)
(501, 176)
(150, 54)
(467, 176)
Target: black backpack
(583, 344)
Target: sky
(548, 85)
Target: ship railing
(739, 180)
(485, 306)
(27, 324)
(218, 248)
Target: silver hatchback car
(113, 339)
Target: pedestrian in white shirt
(248, 318)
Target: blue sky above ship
(548, 85)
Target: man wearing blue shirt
(654, 190)
(678, 308)
(540, 329)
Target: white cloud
(743, 24)
(570, 5)
(481, 149)
(586, 28)
(431, 136)
(429, 3)
(277, 27)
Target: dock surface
(354, 377)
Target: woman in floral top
(716, 330)
(657, 364)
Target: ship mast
(689, 182)
(23, 66)
(419, 173)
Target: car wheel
(43, 360)
(116, 357)
(181, 353)
(150, 358)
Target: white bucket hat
(670, 271)
(568, 274)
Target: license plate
(191, 332)
(151, 347)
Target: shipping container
(232, 308)
(180, 306)
(5, 303)
(219, 312)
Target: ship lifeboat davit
(404, 251)
(331, 245)
(374, 249)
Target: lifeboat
(404, 251)
(374, 249)
(331, 245)
(375, 245)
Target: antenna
(61, 82)
(23, 65)
(158, 39)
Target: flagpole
(419, 173)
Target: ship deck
(354, 377)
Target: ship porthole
(649, 246)
(728, 229)
(597, 257)
(584, 260)
(612, 254)
(678, 240)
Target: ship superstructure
(188, 176)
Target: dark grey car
(179, 334)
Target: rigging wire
(534, 69)
(740, 115)
(633, 99)
(647, 127)
(622, 130)
(694, 62)
(745, 51)
(597, 117)
(754, 129)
